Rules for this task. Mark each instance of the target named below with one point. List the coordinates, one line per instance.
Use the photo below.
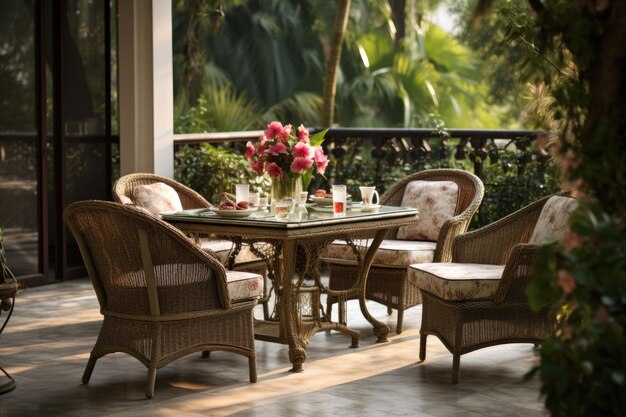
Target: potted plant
(8, 289)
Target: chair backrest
(544, 221)
(553, 220)
(142, 266)
(124, 190)
(461, 190)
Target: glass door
(56, 135)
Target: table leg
(381, 330)
(286, 270)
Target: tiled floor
(47, 343)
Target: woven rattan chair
(387, 280)
(478, 299)
(160, 295)
(124, 192)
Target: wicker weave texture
(389, 286)
(190, 199)
(161, 296)
(465, 326)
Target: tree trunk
(332, 61)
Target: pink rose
(302, 150)
(274, 170)
(250, 150)
(299, 165)
(277, 149)
(273, 130)
(303, 134)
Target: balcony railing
(514, 171)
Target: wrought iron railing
(514, 171)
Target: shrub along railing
(514, 171)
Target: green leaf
(317, 138)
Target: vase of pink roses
(290, 158)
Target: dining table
(291, 248)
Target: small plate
(324, 201)
(234, 214)
(370, 207)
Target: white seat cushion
(222, 249)
(436, 202)
(456, 281)
(553, 221)
(244, 285)
(156, 198)
(399, 253)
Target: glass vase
(284, 191)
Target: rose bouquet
(288, 157)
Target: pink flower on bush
(299, 165)
(302, 150)
(566, 281)
(274, 170)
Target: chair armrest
(518, 272)
(449, 231)
(492, 244)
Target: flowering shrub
(283, 152)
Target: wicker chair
(478, 299)
(124, 192)
(387, 280)
(161, 296)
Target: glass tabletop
(302, 217)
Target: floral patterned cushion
(554, 218)
(436, 202)
(222, 249)
(157, 197)
(390, 252)
(454, 281)
(244, 285)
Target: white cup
(369, 195)
(242, 192)
(340, 197)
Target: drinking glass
(253, 199)
(340, 195)
(242, 192)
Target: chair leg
(151, 380)
(389, 310)
(456, 361)
(400, 320)
(91, 363)
(423, 347)
(329, 309)
(252, 368)
(206, 353)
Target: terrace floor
(47, 342)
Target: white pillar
(146, 87)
